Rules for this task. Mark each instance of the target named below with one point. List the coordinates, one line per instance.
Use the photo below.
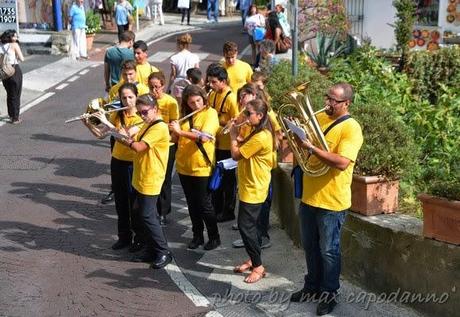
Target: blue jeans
(320, 233)
(213, 9)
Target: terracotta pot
(89, 41)
(441, 218)
(373, 195)
(285, 152)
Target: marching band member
(223, 100)
(194, 160)
(325, 199)
(255, 160)
(121, 164)
(151, 147)
(239, 72)
(143, 67)
(128, 75)
(169, 110)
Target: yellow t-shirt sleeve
(211, 125)
(252, 146)
(142, 89)
(352, 139)
(232, 106)
(274, 121)
(173, 109)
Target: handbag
(215, 180)
(259, 33)
(283, 44)
(6, 69)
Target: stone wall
(386, 254)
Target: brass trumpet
(97, 105)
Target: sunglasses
(143, 112)
(333, 99)
(247, 113)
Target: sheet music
(203, 134)
(229, 163)
(295, 129)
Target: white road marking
(202, 56)
(160, 56)
(185, 286)
(74, 78)
(62, 86)
(95, 65)
(32, 104)
(245, 51)
(84, 71)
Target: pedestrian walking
(157, 9)
(13, 85)
(212, 11)
(184, 7)
(114, 58)
(77, 19)
(122, 10)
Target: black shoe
(326, 304)
(161, 261)
(163, 221)
(143, 257)
(195, 243)
(135, 247)
(121, 244)
(304, 296)
(225, 217)
(107, 199)
(212, 244)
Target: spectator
(282, 18)
(77, 19)
(13, 85)
(184, 7)
(123, 10)
(254, 20)
(157, 8)
(274, 30)
(244, 8)
(268, 59)
(213, 11)
(115, 56)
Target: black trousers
(185, 11)
(224, 199)
(13, 87)
(199, 204)
(247, 219)
(121, 173)
(155, 239)
(121, 29)
(164, 200)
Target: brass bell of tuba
(300, 112)
(96, 105)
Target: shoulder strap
(200, 145)
(250, 136)
(336, 122)
(151, 125)
(223, 101)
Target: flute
(227, 128)
(89, 115)
(190, 114)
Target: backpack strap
(200, 145)
(151, 125)
(336, 122)
(223, 101)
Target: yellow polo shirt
(238, 74)
(143, 72)
(332, 190)
(113, 92)
(121, 151)
(189, 159)
(225, 111)
(254, 168)
(149, 167)
(169, 108)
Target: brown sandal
(243, 267)
(255, 276)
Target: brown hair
(146, 100)
(128, 65)
(189, 91)
(184, 41)
(158, 75)
(230, 47)
(257, 75)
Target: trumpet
(94, 107)
(228, 126)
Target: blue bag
(215, 180)
(297, 173)
(258, 33)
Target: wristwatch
(311, 150)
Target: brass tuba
(299, 111)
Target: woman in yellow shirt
(151, 148)
(194, 159)
(255, 160)
(121, 165)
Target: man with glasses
(326, 199)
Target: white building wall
(377, 14)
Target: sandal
(243, 267)
(255, 276)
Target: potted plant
(325, 49)
(388, 154)
(441, 202)
(93, 25)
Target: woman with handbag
(255, 26)
(255, 161)
(275, 33)
(13, 85)
(195, 158)
(122, 11)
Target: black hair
(189, 91)
(129, 86)
(7, 36)
(140, 44)
(194, 75)
(219, 72)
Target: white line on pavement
(84, 71)
(74, 78)
(62, 86)
(32, 104)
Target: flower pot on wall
(441, 218)
(89, 41)
(373, 195)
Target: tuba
(300, 112)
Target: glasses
(247, 113)
(333, 99)
(143, 112)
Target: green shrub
(389, 148)
(93, 22)
(281, 82)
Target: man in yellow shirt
(143, 67)
(239, 72)
(128, 75)
(223, 100)
(169, 110)
(325, 199)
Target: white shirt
(253, 21)
(184, 60)
(10, 54)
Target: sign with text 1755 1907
(8, 15)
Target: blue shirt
(78, 16)
(122, 12)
